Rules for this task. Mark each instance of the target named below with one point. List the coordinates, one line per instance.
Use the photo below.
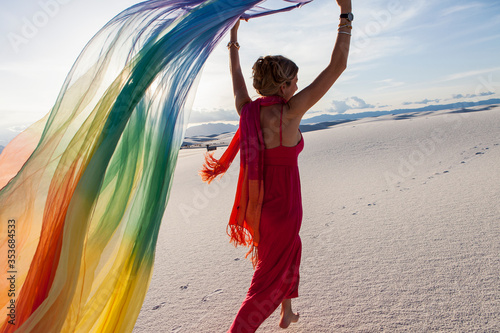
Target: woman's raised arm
(305, 99)
(240, 91)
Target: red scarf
(243, 227)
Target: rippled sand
(401, 232)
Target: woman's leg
(287, 315)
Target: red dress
(276, 275)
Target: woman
(267, 213)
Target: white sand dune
(213, 140)
(401, 232)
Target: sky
(404, 54)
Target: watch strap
(348, 16)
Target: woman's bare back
(270, 121)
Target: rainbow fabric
(83, 190)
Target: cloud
(459, 8)
(17, 129)
(340, 106)
(203, 116)
(29, 68)
(388, 83)
(459, 96)
(469, 73)
(350, 103)
(373, 36)
(454, 96)
(424, 101)
(9, 131)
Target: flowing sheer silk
(83, 190)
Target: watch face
(348, 16)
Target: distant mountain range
(327, 120)
(210, 129)
(353, 116)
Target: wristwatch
(348, 16)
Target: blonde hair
(270, 72)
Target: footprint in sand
(215, 292)
(159, 306)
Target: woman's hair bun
(270, 72)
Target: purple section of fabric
(258, 11)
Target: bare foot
(288, 317)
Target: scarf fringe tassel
(241, 236)
(211, 168)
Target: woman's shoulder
(290, 114)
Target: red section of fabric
(213, 167)
(281, 121)
(243, 226)
(276, 276)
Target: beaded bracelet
(345, 26)
(345, 32)
(233, 43)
